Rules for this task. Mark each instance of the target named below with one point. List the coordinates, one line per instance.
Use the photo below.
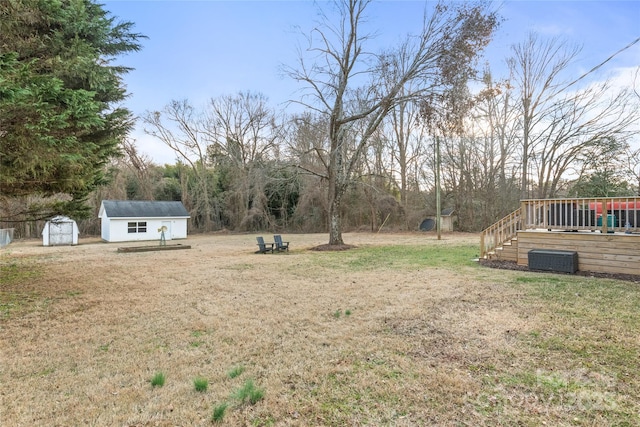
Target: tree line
(381, 140)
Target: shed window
(137, 227)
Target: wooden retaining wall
(151, 248)
(597, 252)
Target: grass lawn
(404, 330)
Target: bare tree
(405, 138)
(495, 121)
(536, 67)
(559, 120)
(141, 166)
(403, 134)
(307, 144)
(179, 126)
(579, 121)
(243, 132)
(492, 138)
(242, 129)
(351, 85)
(605, 170)
(235, 133)
(307, 150)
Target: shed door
(60, 233)
(167, 234)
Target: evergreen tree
(60, 118)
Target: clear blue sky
(203, 49)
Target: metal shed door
(60, 233)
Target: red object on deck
(615, 206)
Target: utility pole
(438, 208)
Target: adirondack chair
(280, 245)
(263, 247)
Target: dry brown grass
(87, 328)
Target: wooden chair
(280, 245)
(263, 247)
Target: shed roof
(447, 212)
(60, 218)
(143, 209)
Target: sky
(203, 49)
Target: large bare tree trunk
(336, 178)
(355, 88)
(335, 220)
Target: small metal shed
(59, 231)
(447, 219)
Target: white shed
(134, 220)
(59, 231)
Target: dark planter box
(553, 260)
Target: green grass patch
(349, 393)
(249, 393)
(200, 384)
(158, 380)
(15, 293)
(17, 273)
(582, 349)
(338, 313)
(45, 372)
(73, 293)
(266, 421)
(568, 393)
(198, 333)
(584, 298)
(236, 371)
(15, 302)
(219, 412)
(399, 257)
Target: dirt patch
(328, 247)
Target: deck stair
(507, 251)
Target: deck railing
(604, 214)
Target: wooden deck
(604, 231)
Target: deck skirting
(597, 252)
